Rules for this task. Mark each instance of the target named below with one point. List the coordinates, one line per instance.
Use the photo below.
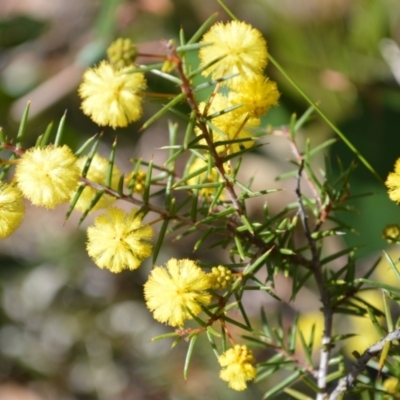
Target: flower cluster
(239, 49)
(178, 292)
(119, 240)
(112, 96)
(237, 367)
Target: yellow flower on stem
(12, 209)
(122, 53)
(232, 125)
(47, 176)
(243, 48)
(112, 96)
(393, 183)
(97, 173)
(138, 185)
(220, 277)
(118, 240)
(257, 94)
(177, 292)
(237, 367)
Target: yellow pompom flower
(244, 50)
(97, 173)
(257, 94)
(203, 177)
(172, 291)
(118, 240)
(112, 96)
(393, 183)
(392, 386)
(220, 277)
(235, 124)
(12, 209)
(47, 176)
(237, 367)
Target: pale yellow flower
(118, 240)
(393, 183)
(233, 125)
(257, 94)
(47, 176)
(112, 96)
(177, 292)
(97, 173)
(12, 209)
(392, 386)
(244, 50)
(237, 367)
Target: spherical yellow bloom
(257, 94)
(203, 177)
(393, 183)
(47, 175)
(243, 47)
(111, 96)
(237, 367)
(97, 173)
(220, 277)
(172, 291)
(235, 124)
(118, 240)
(12, 209)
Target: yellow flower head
(232, 125)
(244, 50)
(97, 173)
(172, 291)
(237, 367)
(111, 96)
(118, 240)
(203, 177)
(220, 277)
(122, 53)
(393, 183)
(47, 175)
(12, 209)
(257, 94)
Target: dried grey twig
(348, 381)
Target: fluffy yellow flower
(203, 177)
(244, 50)
(97, 173)
(257, 94)
(235, 124)
(172, 291)
(118, 240)
(393, 183)
(12, 209)
(392, 386)
(111, 96)
(237, 367)
(47, 175)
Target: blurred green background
(69, 330)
